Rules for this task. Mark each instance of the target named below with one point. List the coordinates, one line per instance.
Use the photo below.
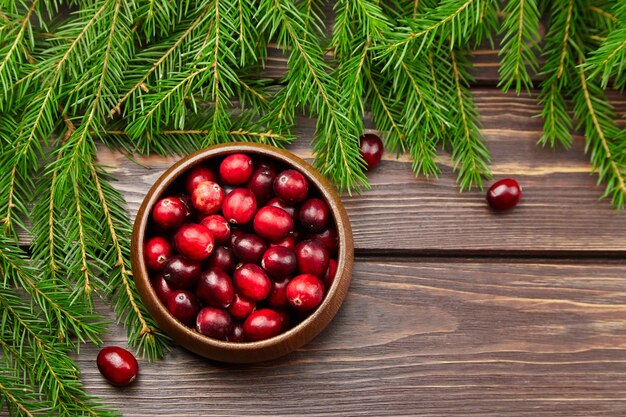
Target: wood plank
(425, 337)
(559, 212)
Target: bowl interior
(284, 342)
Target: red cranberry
(117, 365)
(162, 288)
(305, 292)
(277, 202)
(261, 183)
(328, 238)
(237, 335)
(184, 306)
(251, 282)
(214, 322)
(371, 149)
(194, 241)
(186, 200)
(291, 186)
(249, 248)
(181, 273)
(215, 288)
(312, 257)
(168, 213)
(222, 258)
(287, 242)
(196, 175)
(286, 320)
(278, 294)
(236, 169)
(262, 324)
(241, 307)
(239, 206)
(234, 235)
(279, 262)
(272, 223)
(329, 276)
(504, 194)
(314, 215)
(207, 198)
(218, 226)
(157, 251)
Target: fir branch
(19, 398)
(518, 46)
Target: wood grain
(559, 212)
(425, 337)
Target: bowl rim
(219, 349)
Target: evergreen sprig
(168, 77)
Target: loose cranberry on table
(291, 186)
(117, 365)
(312, 257)
(504, 194)
(252, 282)
(249, 248)
(279, 262)
(184, 305)
(214, 322)
(215, 288)
(314, 215)
(305, 292)
(272, 223)
(168, 213)
(181, 273)
(239, 206)
(262, 324)
(196, 175)
(194, 241)
(157, 252)
(371, 149)
(236, 169)
(218, 226)
(207, 197)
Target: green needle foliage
(172, 76)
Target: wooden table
(454, 310)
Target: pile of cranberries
(245, 252)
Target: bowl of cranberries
(242, 252)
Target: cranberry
(168, 213)
(241, 307)
(207, 198)
(305, 292)
(215, 288)
(157, 251)
(262, 324)
(162, 288)
(371, 149)
(251, 282)
(329, 276)
(277, 202)
(184, 306)
(234, 235)
(239, 206)
(214, 322)
(328, 238)
(278, 294)
(194, 241)
(272, 223)
(249, 248)
(261, 183)
(181, 273)
(291, 186)
(279, 262)
(117, 365)
(186, 200)
(287, 242)
(504, 194)
(222, 258)
(196, 175)
(286, 321)
(312, 257)
(314, 215)
(236, 169)
(237, 335)
(218, 226)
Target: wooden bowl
(283, 343)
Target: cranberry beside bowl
(253, 263)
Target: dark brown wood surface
(454, 310)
